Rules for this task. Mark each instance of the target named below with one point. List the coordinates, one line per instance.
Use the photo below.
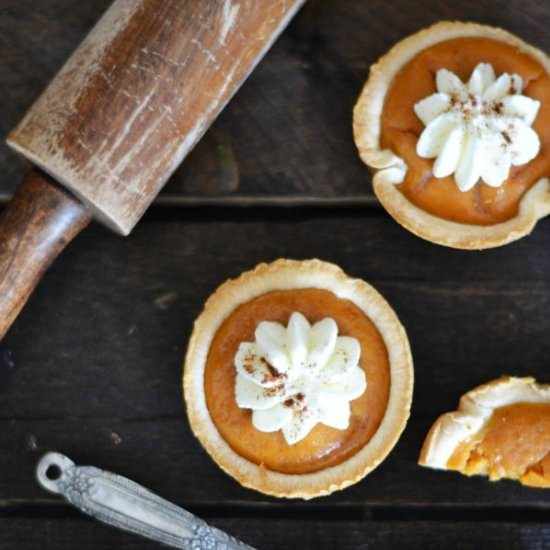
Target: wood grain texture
(138, 94)
(289, 127)
(92, 367)
(37, 225)
(290, 534)
(98, 350)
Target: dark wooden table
(92, 368)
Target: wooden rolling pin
(119, 117)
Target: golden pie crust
(287, 275)
(389, 169)
(453, 433)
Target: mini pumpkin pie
(501, 430)
(297, 379)
(454, 121)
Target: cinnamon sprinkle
(274, 374)
(248, 363)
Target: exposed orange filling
(482, 205)
(323, 446)
(514, 444)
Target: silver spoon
(119, 502)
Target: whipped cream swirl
(294, 377)
(479, 129)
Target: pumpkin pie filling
(401, 128)
(515, 443)
(324, 446)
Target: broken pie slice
(501, 429)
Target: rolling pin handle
(35, 226)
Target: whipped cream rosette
(477, 129)
(296, 376)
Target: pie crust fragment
(290, 275)
(389, 169)
(501, 429)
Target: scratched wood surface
(92, 367)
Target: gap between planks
(535, 513)
(236, 201)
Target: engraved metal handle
(115, 500)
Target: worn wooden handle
(35, 227)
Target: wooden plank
(162, 455)
(286, 137)
(98, 350)
(294, 534)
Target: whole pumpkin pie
(501, 430)
(297, 379)
(454, 121)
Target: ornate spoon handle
(115, 500)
